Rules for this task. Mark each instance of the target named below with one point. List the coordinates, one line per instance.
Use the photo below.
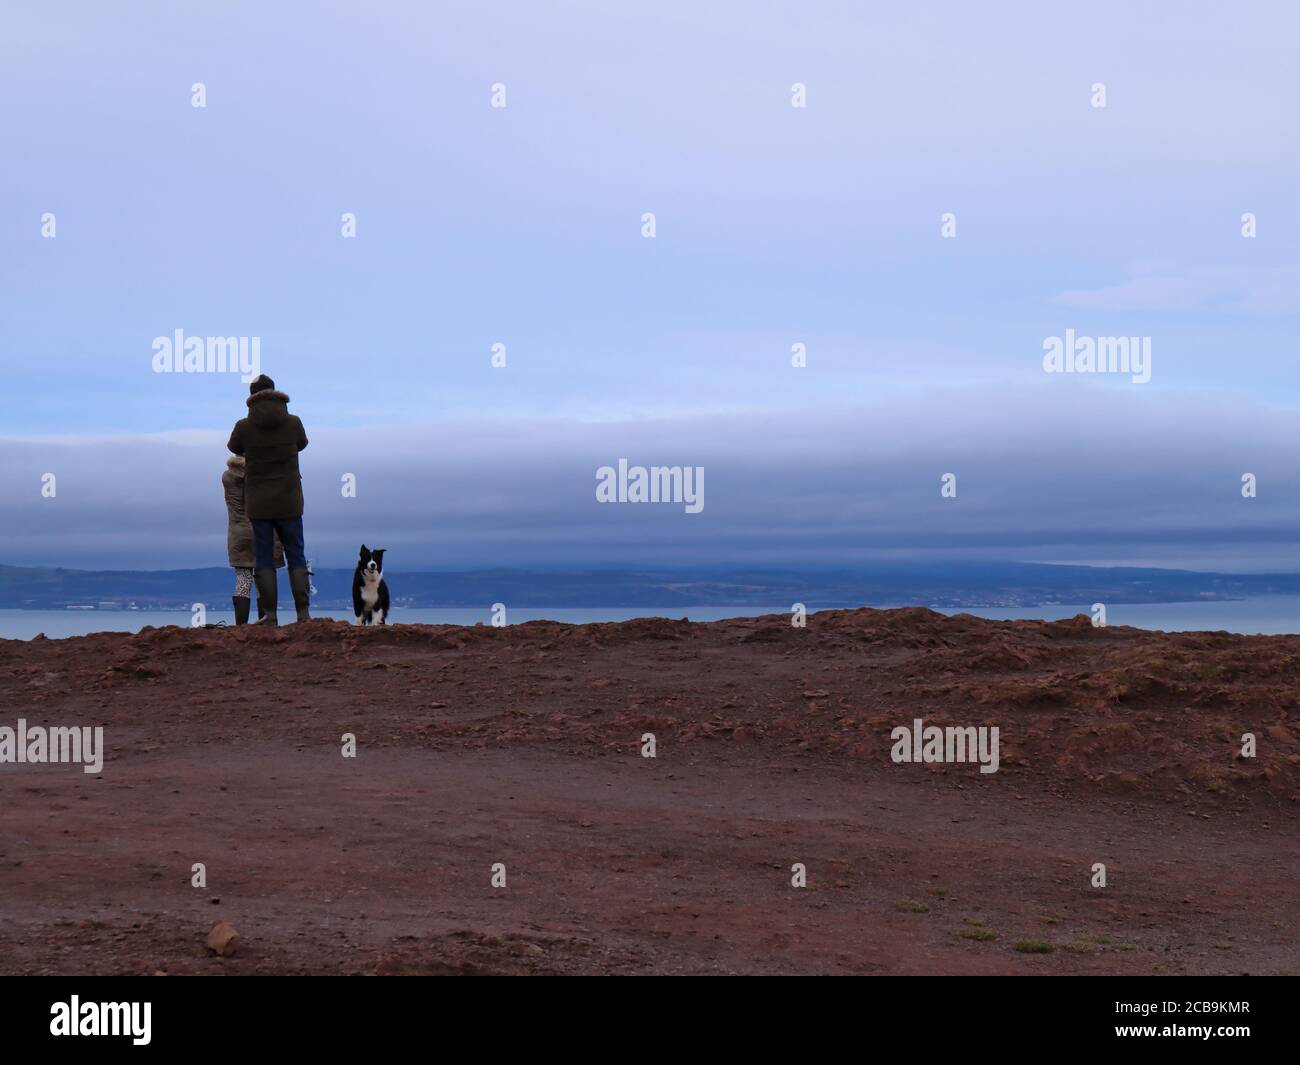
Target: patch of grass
(979, 933)
(1034, 946)
(911, 906)
(973, 920)
(1079, 946)
(937, 890)
(1126, 946)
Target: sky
(774, 225)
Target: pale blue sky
(775, 225)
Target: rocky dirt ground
(522, 746)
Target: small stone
(222, 938)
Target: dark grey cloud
(1069, 471)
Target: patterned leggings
(243, 582)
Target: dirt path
(520, 746)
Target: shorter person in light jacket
(239, 539)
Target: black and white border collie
(369, 591)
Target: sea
(1268, 615)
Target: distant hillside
(943, 585)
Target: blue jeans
(290, 533)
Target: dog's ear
(364, 549)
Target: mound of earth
(499, 814)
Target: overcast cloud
(1064, 472)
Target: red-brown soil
(522, 746)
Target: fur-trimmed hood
(268, 408)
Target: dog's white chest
(370, 594)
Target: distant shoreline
(950, 586)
